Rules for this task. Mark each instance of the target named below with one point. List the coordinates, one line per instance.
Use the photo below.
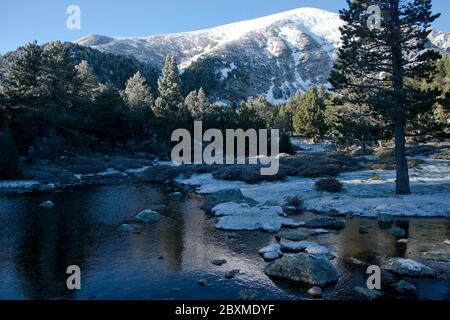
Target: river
(166, 260)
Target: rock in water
(315, 292)
(397, 232)
(315, 232)
(369, 294)
(47, 205)
(447, 242)
(148, 216)
(176, 196)
(271, 252)
(308, 246)
(326, 222)
(357, 262)
(437, 256)
(409, 268)
(304, 268)
(405, 287)
(336, 214)
(129, 228)
(241, 216)
(233, 195)
(294, 236)
(218, 262)
(272, 255)
(232, 273)
(202, 282)
(247, 295)
(363, 229)
(385, 221)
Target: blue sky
(22, 21)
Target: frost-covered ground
(12, 184)
(312, 147)
(362, 195)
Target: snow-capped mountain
(440, 40)
(274, 56)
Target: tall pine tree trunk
(402, 175)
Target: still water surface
(166, 260)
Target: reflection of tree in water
(400, 248)
(367, 247)
(172, 240)
(51, 241)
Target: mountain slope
(108, 67)
(274, 56)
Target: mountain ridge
(274, 56)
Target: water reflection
(37, 245)
(50, 242)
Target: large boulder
(409, 268)
(231, 195)
(326, 222)
(314, 270)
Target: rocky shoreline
(99, 169)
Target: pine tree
(197, 103)
(58, 75)
(139, 100)
(379, 61)
(137, 93)
(86, 77)
(351, 123)
(309, 118)
(442, 83)
(285, 114)
(248, 117)
(59, 78)
(264, 110)
(170, 99)
(87, 87)
(169, 106)
(24, 96)
(107, 115)
(283, 118)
